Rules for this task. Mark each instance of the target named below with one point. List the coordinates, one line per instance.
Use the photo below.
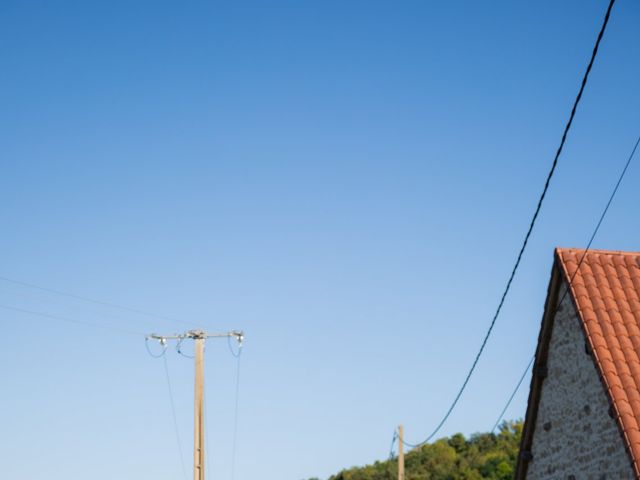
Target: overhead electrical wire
(94, 301)
(175, 418)
(73, 320)
(528, 234)
(515, 390)
(237, 355)
(61, 302)
(155, 355)
(582, 257)
(179, 349)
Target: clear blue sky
(349, 182)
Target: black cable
(526, 238)
(97, 302)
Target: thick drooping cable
(85, 323)
(582, 257)
(175, 418)
(92, 300)
(235, 412)
(515, 390)
(528, 234)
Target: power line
(515, 390)
(94, 301)
(582, 257)
(175, 418)
(83, 308)
(526, 238)
(613, 194)
(600, 220)
(155, 355)
(235, 412)
(73, 320)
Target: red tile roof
(606, 291)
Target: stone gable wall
(575, 438)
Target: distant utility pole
(199, 337)
(400, 452)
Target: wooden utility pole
(400, 452)
(199, 337)
(198, 427)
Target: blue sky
(349, 182)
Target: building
(583, 415)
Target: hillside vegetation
(481, 456)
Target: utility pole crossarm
(238, 334)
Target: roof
(605, 290)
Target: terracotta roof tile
(606, 292)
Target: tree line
(481, 456)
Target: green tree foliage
(482, 456)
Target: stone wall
(575, 438)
